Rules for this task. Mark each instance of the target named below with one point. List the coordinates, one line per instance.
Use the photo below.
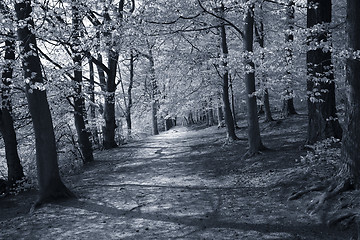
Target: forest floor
(186, 183)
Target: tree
(323, 121)
(255, 143)
(260, 38)
(351, 140)
(79, 101)
(51, 186)
(15, 170)
(229, 121)
(288, 102)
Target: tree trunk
(351, 141)
(260, 38)
(220, 116)
(15, 170)
(50, 185)
(233, 102)
(229, 121)
(129, 93)
(79, 101)
(255, 144)
(288, 102)
(323, 121)
(109, 107)
(154, 95)
(94, 131)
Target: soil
(186, 183)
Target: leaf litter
(183, 184)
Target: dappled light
(182, 184)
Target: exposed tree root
(299, 194)
(334, 190)
(250, 154)
(61, 194)
(341, 217)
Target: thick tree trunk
(288, 102)
(351, 140)
(109, 107)
(113, 57)
(323, 121)
(15, 170)
(229, 121)
(50, 185)
(79, 101)
(255, 144)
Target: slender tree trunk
(233, 102)
(351, 141)
(15, 170)
(154, 95)
(50, 185)
(229, 121)
(79, 101)
(288, 102)
(94, 131)
(129, 93)
(255, 144)
(260, 38)
(323, 121)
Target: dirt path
(179, 185)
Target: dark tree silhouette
(50, 184)
(255, 143)
(323, 121)
(79, 101)
(229, 121)
(288, 103)
(15, 170)
(351, 139)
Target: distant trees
(323, 121)
(50, 185)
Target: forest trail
(181, 184)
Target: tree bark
(255, 144)
(323, 122)
(15, 170)
(229, 121)
(50, 185)
(154, 95)
(79, 101)
(233, 102)
(109, 107)
(129, 93)
(260, 38)
(94, 131)
(288, 102)
(351, 141)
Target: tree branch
(222, 18)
